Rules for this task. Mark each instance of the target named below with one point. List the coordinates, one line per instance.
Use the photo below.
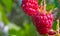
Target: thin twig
(57, 28)
(44, 4)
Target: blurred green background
(14, 22)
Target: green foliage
(3, 15)
(39, 1)
(13, 29)
(54, 25)
(27, 30)
(50, 7)
(7, 5)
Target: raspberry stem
(44, 4)
(57, 28)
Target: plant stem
(57, 28)
(44, 4)
(0, 16)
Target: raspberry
(29, 6)
(40, 18)
(43, 22)
(51, 32)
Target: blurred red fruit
(29, 6)
(51, 32)
(43, 22)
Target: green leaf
(54, 25)
(56, 3)
(4, 18)
(7, 4)
(3, 15)
(39, 1)
(13, 29)
(30, 30)
(50, 6)
(1, 10)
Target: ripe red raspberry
(29, 6)
(52, 32)
(42, 22)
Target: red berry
(29, 6)
(52, 32)
(43, 22)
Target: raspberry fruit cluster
(41, 19)
(29, 6)
(43, 22)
